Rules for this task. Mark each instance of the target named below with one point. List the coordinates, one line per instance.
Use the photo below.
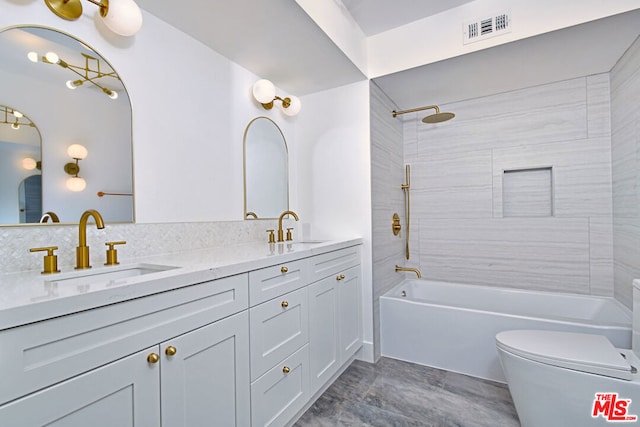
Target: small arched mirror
(20, 165)
(266, 170)
(74, 96)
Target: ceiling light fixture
(17, 120)
(77, 152)
(265, 93)
(87, 73)
(123, 17)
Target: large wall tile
(581, 174)
(544, 254)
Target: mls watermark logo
(612, 408)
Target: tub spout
(413, 270)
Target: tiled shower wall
(625, 107)
(387, 175)
(516, 191)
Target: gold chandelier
(86, 73)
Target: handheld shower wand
(407, 205)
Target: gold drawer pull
(341, 277)
(153, 358)
(170, 351)
(284, 304)
(286, 370)
(284, 269)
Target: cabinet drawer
(270, 282)
(277, 329)
(324, 265)
(283, 391)
(40, 354)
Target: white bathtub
(453, 326)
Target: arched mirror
(73, 96)
(20, 165)
(266, 170)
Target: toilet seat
(582, 352)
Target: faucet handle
(272, 237)
(50, 259)
(289, 235)
(112, 253)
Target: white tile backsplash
(142, 240)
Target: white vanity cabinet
(301, 339)
(115, 365)
(248, 349)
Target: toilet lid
(582, 352)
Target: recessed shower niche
(527, 192)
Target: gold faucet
(413, 270)
(280, 231)
(82, 251)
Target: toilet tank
(635, 337)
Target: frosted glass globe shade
(28, 163)
(294, 106)
(75, 183)
(77, 151)
(33, 56)
(264, 91)
(124, 17)
(52, 57)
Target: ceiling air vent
(481, 29)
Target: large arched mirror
(73, 96)
(266, 170)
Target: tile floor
(396, 393)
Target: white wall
(333, 175)
(439, 37)
(190, 109)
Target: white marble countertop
(30, 296)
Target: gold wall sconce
(14, 118)
(265, 93)
(88, 73)
(77, 153)
(123, 17)
(30, 164)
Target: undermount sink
(108, 274)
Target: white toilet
(569, 379)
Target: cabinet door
(350, 312)
(125, 393)
(281, 392)
(323, 331)
(205, 376)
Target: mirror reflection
(79, 141)
(266, 182)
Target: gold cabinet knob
(153, 358)
(284, 269)
(286, 370)
(284, 304)
(170, 351)
(341, 277)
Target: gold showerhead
(436, 117)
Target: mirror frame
(246, 212)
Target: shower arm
(395, 113)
